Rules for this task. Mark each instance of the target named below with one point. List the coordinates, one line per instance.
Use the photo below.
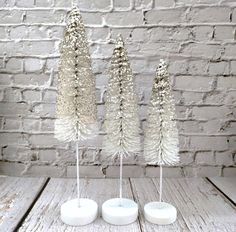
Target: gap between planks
(31, 205)
(224, 195)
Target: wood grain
(16, 197)
(227, 185)
(45, 215)
(200, 206)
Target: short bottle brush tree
(161, 134)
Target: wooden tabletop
(33, 204)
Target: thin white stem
(160, 192)
(77, 172)
(121, 167)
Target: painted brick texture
(197, 37)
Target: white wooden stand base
(119, 212)
(160, 213)
(73, 215)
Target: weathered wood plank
(145, 191)
(45, 215)
(16, 196)
(227, 185)
(200, 206)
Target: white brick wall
(198, 38)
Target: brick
(98, 34)
(206, 158)
(54, 32)
(229, 171)
(12, 138)
(169, 33)
(178, 67)
(45, 16)
(212, 126)
(202, 33)
(233, 67)
(190, 126)
(32, 95)
(29, 48)
(47, 155)
(47, 125)
(11, 16)
(19, 32)
(230, 51)
(167, 172)
(164, 3)
(139, 34)
(62, 3)
(143, 4)
(198, 67)
(234, 16)
(209, 15)
(44, 3)
(38, 32)
(93, 5)
(14, 65)
(218, 68)
(210, 112)
(92, 18)
(224, 158)
(25, 3)
(124, 18)
(214, 98)
(11, 169)
(122, 4)
(202, 171)
(44, 171)
(44, 110)
(230, 99)
(33, 79)
(208, 143)
(211, 51)
(33, 65)
(12, 95)
(85, 171)
(43, 140)
(52, 64)
(30, 124)
(12, 108)
(164, 16)
(223, 33)
(3, 33)
(12, 124)
(226, 83)
(232, 143)
(16, 153)
(192, 83)
(186, 158)
(49, 96)
(128, 171)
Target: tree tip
(119, 41)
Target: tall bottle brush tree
(121, 117)
(76, 100)
(161, 134)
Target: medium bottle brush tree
(121, 117)
(161, 134)
(76, 100)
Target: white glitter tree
(76, 100)
(121, 117)
(161, 134)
